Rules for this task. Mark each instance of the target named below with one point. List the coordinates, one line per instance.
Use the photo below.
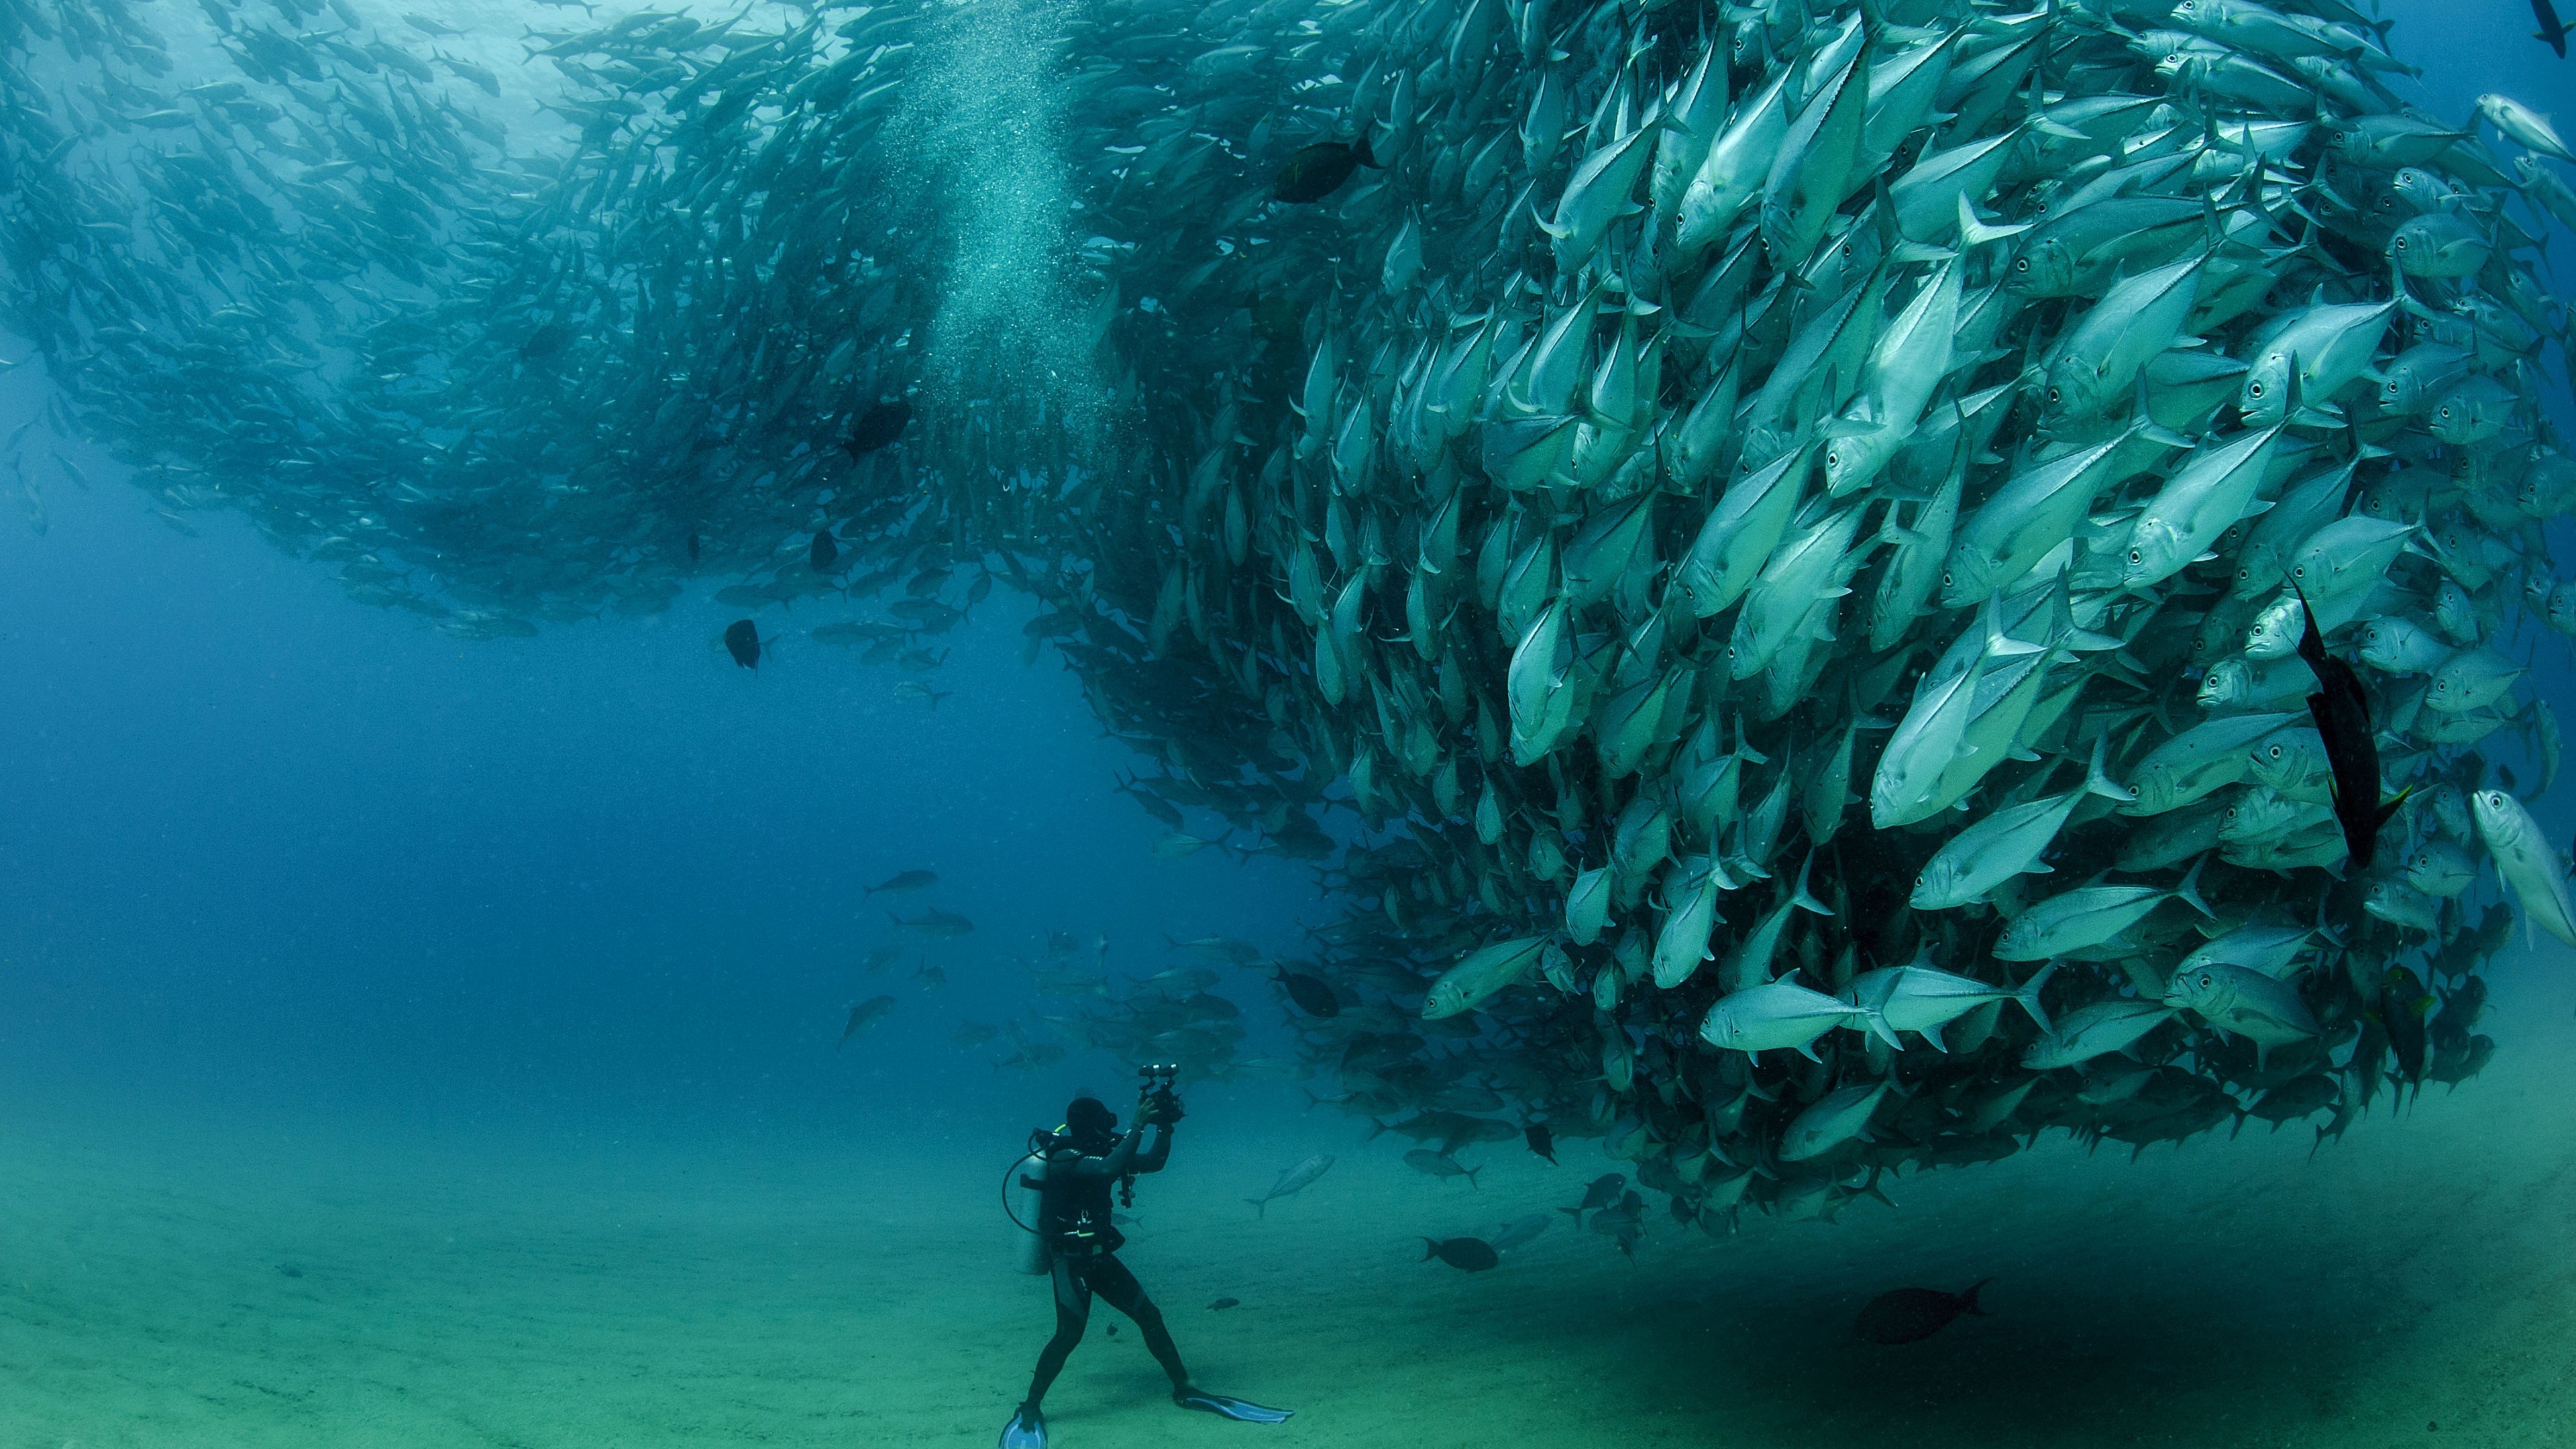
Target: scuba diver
(1071, 1171)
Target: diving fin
(1027, 1430)
(1230, 1408)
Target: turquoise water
(413, 1037)
(309, 1278)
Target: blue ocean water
(310, 914)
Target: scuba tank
(1023, 1190)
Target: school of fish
(1777, 556)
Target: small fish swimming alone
(974, 1033)
(862, 1016)
(1181, 843)
(910, 880)
(1221, 948)
(915, 689)
(1468, 1255)
(1910, 1315)
(824, 552)
(1440, 1165)
(1518, 1231)
(2552, 31)
(937, 925)
(1318, 170)
(742, 641)
(1541, 1140)
(1225, 1303)
(1292, 1181)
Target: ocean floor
(168, 1281)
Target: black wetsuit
(1075, 1202)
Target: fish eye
(2021, 264)
(2254, 389)
(2136, 557)
(1946, 581)
(2056, 395)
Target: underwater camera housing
(1161, 1104)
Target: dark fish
(1540, 1140)
(2403, 1001)
(1225, 1303)
(911, 880)
(742, 641)
(1317, 171)
(974, 1033)
(693, 545)
(824, 553)
(877, 427)
(1468, 1255)
(1910, 1315)
(2299, 1097)
(2552, 31)
(862, 1016)
(1604, 1191)
(2342, 713)
(931, 976)
(1312, 996)
(546, 341)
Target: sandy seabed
(169, 1283)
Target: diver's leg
(1114, 1283)
(1072, 1312)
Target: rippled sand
(168, 1281)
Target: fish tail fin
(1367, 157)
(1260, 1206)
(2189, 890)
(1471, 1178)
(1430, 1249)
(2098, 780)
(2028, 998)
(1973, 232)
(2389, 810)
(1799, 895)
(1375, 1127)
(1968, 1300)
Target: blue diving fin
(1027, 1430)
(1230, 1408)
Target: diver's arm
(1152, 1160)
(1117, 1162)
